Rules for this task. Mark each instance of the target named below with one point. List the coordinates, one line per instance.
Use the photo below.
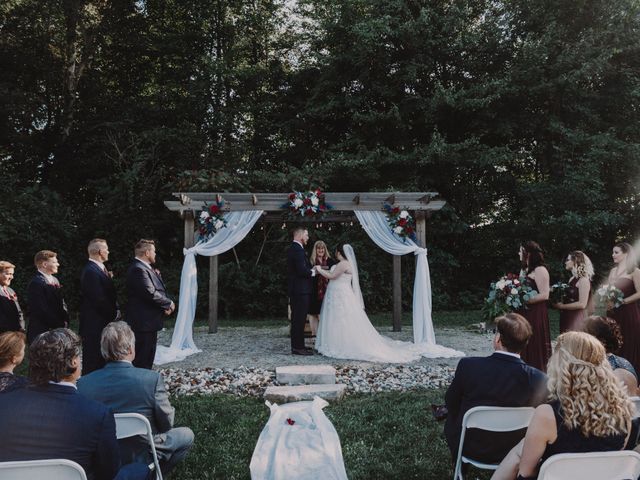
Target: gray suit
(127, 389)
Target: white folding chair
(492, 419)
(53, 469)
(131, 424)
(622, 465)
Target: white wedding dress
(346, 332)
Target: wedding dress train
(346, 332)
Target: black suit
(11, 319)
(147, 301)
(47, 309)
(499, 380)
(98, 307)
(300, 285)
(54, 421)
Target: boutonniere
(109, 273)
(157, 272)
(57, 285)
(13, 296)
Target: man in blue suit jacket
(51, 420)
(127, 389)
(299, 285)
(98, 304)
(47, 308)
(148, 302)
(500, 380)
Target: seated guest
(128, 389)
(501, 380)
(11, 317)
(51, 420)
(589, 411)
(608, 332)
(11, 355)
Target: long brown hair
(532, 256)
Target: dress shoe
(301, 351)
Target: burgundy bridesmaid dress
(538, 350)
(572, 319)
(628, 318)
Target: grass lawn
(383, 436)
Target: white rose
(398, 230)
(204, 214)
(404, 214)
(219, 224)
(297, 202)
(500, 285)
(314, 201)
(514, 291)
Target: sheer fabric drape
(239, 224)
(376, 226)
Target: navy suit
(147, 301)
(11, 319)
(54, 421)
(98, 307)
(299, 287)
(499, 380)
(47, 309)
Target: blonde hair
(4, 265)
(319, 243)
(96, 245)
(582, 266)
(581, 379)
(43, 256)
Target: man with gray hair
(50, 420)
(128, 389)
(98, 303)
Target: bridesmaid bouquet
(509, 293)
(610, 295)
(558, 293)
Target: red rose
(395, 211)
(213, 209)
(402, 222)
(307, 201)
(292, 196)
(291, 421)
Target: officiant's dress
(346, 332)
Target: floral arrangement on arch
(211, 219)
(307, 204)
(401, 222)
(509, 293)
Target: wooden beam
(356, 199)
(421, 228)
(213, 294)
(397, 293)
(189, 229)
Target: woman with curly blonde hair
(574, 311)
(588, 411)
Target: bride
(345, 330)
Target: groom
(299, 274)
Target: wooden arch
(421, 204)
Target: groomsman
(11, 318)
(47, 309)
(98, 304)
(148, 302)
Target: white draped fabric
(239, 224)
(376, 226)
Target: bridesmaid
(538, 350)
(319, 256)
(573, 313)
(626, 276)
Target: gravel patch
(242, 361)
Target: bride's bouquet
(558, 293)
(610, 295)
(509, 293)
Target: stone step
(306, 375)
(298, 393)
